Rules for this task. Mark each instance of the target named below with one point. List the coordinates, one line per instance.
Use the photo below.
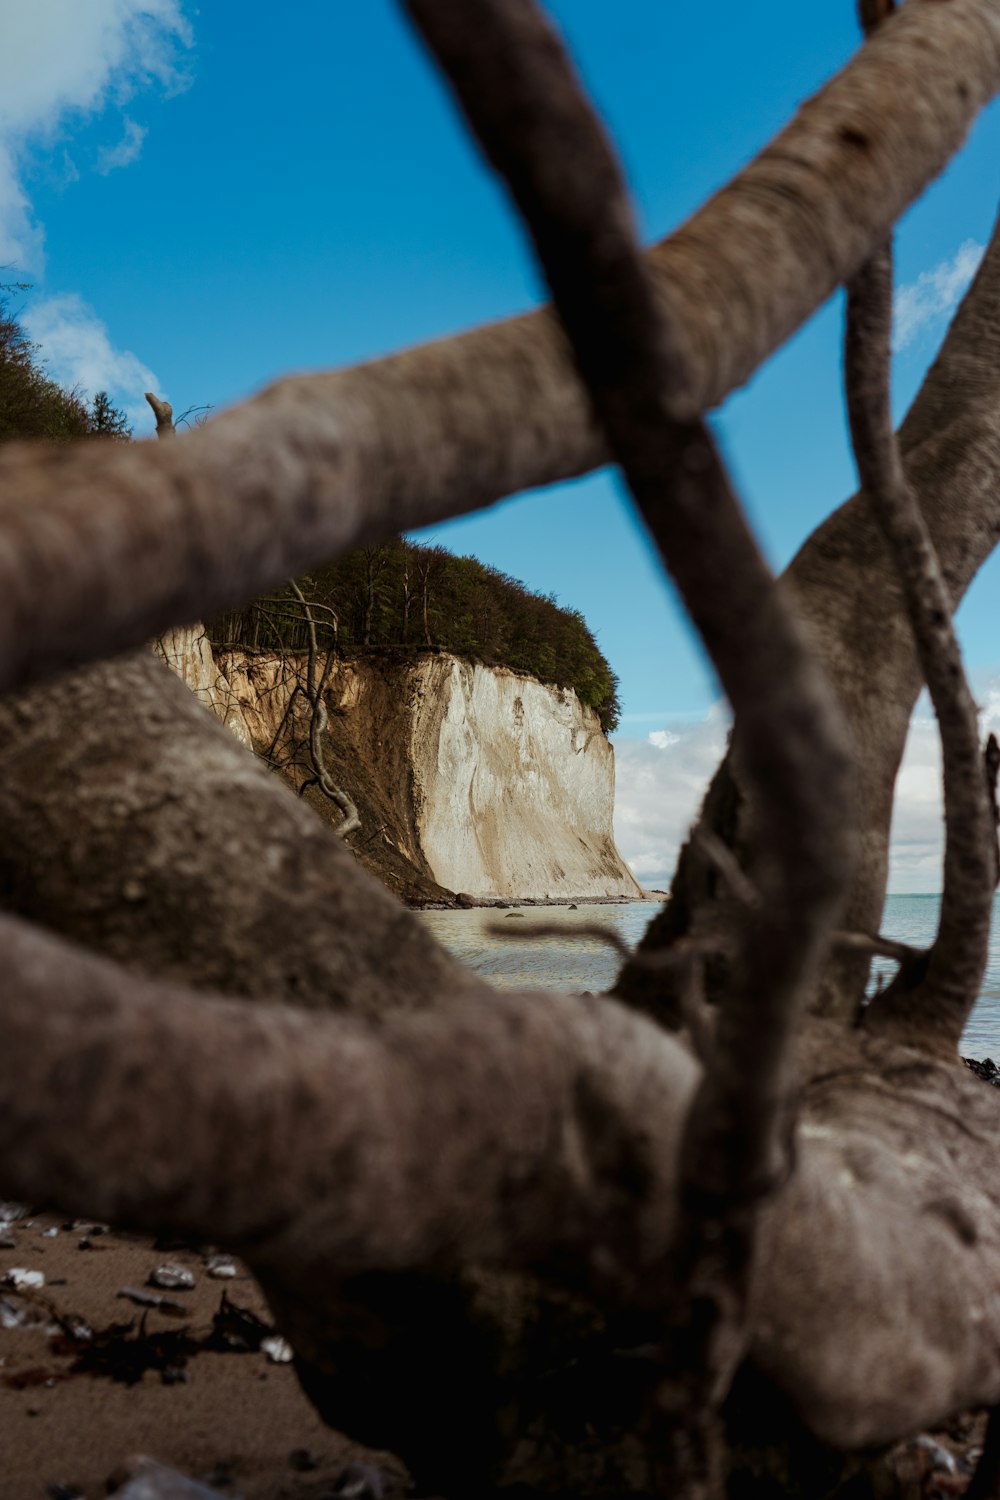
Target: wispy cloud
(79, 354)
(663, 778)
(924, 303)
(661, 781)
(60, 60)
(128, 149)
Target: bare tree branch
(164, 414)
(938, 1002)
(320, 464)
(847, 589)
(521, 98)
(315, 688)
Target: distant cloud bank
(934, 295)
(662, 779)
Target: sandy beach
(90, 1378)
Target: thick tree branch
(520, 95)
(174, 851)
(939, 1003)
(320, 464)
(847, 591)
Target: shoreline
(463, 902)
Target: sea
(568, 961)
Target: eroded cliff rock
(467, 778)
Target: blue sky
(205, 199)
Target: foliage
(401, 594)
(33, 406)
(107, 420)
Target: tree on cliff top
(34, 406)
(574, 1231)
(470, 609)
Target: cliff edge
(467, 778)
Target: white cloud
(660, 782)
(64, 58)
(125, 152)
(78, 353)
(934, 294)
(662, 779)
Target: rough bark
(136, 824)
(845, 590)
(499, 1174)
(133, 541)
(517, 88)
(936, 994)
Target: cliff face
(467, 778)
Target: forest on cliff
(402, 594)
(395, 594)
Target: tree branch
(940, 1002)
(317, 725)
(164, 414)
(519, 93)
(321, 464)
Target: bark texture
(405, 1157)
(845, 589)
(136, 824)
(319, 464)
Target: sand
(232, 1419)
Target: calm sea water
(571, 963)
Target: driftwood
(587, 1228)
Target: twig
(882, 947)
(722, 858)
(676, 956)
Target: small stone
(278, 1350)
(173, 1277)
(49, 1234)
(22, 1279)
(220, 1267)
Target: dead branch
(319, 464)
(678, 956)
(938, 1003)
(877, 946)
(519, 94)
(845, 585)
(218, 877)
(314, 690)
(164, 414)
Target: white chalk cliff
(468, 778)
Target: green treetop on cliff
(32, 405)
(407, 595)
